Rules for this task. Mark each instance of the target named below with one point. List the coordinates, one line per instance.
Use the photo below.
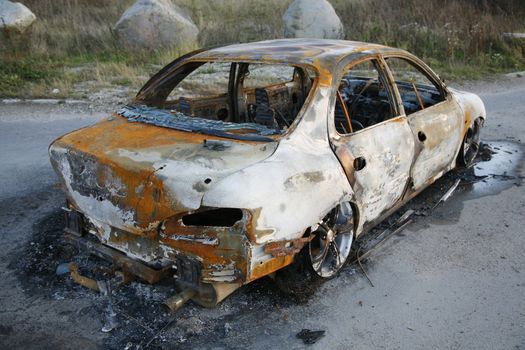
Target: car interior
(417, 91)
(266, 94)
(362, 93)
(272, 95)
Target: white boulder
(15, 17)
(312, 19)
(155, 24)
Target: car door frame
(437, 130)
(373, 197)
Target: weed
(73, 41)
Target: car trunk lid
(134, 175)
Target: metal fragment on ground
(447, 194)
(310, 337)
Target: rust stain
(122, 165)
(288, 247)
(252, 232)
(267, 267)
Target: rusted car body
(199, 187)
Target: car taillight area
(209, 246)
(220, 217)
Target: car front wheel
(470, 147)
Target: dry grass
(449, 31)
(73, 40)
(74, 27)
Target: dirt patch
(140, 319)
(40, 257)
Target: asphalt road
(454, 279)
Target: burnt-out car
(234, 162)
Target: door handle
(359, 163)
(421, 136)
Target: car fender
(472, 107)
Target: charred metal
(284, 248)
(229, 162)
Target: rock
(312, 19)
(514, 35)
(15, 17)
(155, 24)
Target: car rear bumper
(212, 268)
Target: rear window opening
(222, 217)
(230, 99)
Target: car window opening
(417, 91)
(228, 98)
(366, 99)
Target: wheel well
(355, 214)
(482, 120)
(474, 121)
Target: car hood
(134, 175)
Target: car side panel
(438, 134)
(388, 151)
(291, 190)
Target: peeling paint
(137, 176)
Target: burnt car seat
(264, 114)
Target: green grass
(37, 76)
(73, 41)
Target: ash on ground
(140, 319)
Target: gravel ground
(454, 278)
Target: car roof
(322, 53)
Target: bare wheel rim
(329, 250)
(471, 144)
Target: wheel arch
(356, 217)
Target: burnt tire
(470, 146)
(298, 281)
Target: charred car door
(372, 141)
(433, 116)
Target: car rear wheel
(322, 257)
(328, 250)
(470, 147)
